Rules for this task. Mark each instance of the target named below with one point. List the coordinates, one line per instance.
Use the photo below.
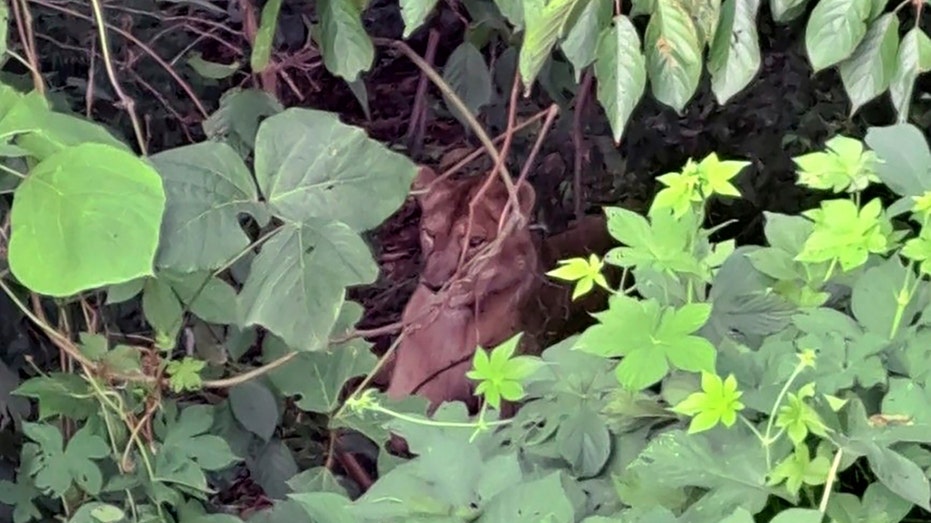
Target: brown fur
(455, 309)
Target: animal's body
(499, 290)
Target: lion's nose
(431, 286)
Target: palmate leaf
(869, 71)
(621, 72)
(673, 54)
(834, 31)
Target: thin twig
(415, 128)
(27, 40)
(578, 142)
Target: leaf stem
(768, 439)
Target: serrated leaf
(545, 24)
(255, 407)
(298, 282)
(309, 165)
(346, 47)
(673, 54)
(734, 58)
(415, 13)
(76, 209)
(834, 30)
(469, 77)
(621, 72)
(869, 71)
(581, 43)
(914, 51)
(207, 187)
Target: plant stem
(768, 440)
(832, 475)
(128, 103)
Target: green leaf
(122, 292)
(869, 71)
(798, 515)
(255, 407)
(415, 13)
(718, 402)
(215, 298)
(545, 23)
(904, 158)
(56, 467)
(59, 394)
(799, 469)
(620, 69)
(212, 70)
(734, 58)
(238, 117)
(184, 375)
(543, 499)
(581, 43)
(900, 475)
(584, 441)
(673, 54)
(346, 47)
(325, 507)
(513, 10)
(705, 14)
(873, 301)
(318, 377)
(77, 208)
(787, 10)
(845, 166)
(309, 165)
(4, 30)
(207, 187)
(53, 132)
(914, 53)
(846, 234)
(834, 31)
(21, 496)
(298, 282)
(469, 77)
(273, 467)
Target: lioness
(457, 307)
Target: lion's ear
(526, 197)
(425, 176)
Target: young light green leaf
(469, 77)
(500, 374)
(415, 13)
(673, 54)
(212, 70)
(346, 47)
(582, 40)
(844, 166)
(869, 71)
(735, 51)
(834, 30)
(586, 273)
(718, 402)
(799, 469)
(621, 72)
(76, 209)
(846, 234)
(184, 375)
(262, 46)
(546, 23)
(912, 59)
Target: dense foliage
(780, 380)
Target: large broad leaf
(869, 71)
(87, 216)
(415, 13)
(581, 42)
(309, 165)
(735, 52)
(469, 77)
(674, 59)
(913, 58)
(544, 499)
(621, 72)
(239, 115)
(346, 47)
(786, 10)
(298, 282)
(705, 15)
(513, 10)
(834, 31)
(546, 22)
(318, 377)
(207, 186)
(904, 158)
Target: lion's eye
(475, 241)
